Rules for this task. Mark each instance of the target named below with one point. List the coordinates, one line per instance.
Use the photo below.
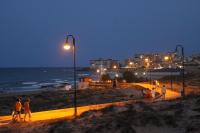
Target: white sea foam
(29, 83)
(83, 74)
(31, 87)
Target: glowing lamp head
(130, 63)
(67, 46)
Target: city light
(98, 71)
(146, 60)
(117, 75)
(180, 66)
(136, 73)
(166, 58)
(115, 67)
(130, 63)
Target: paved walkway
(68, 112)
(62, 113)
(169, 93)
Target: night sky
(32, 31)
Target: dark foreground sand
(175, 116)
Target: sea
(30, 79)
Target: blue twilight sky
(32, 31)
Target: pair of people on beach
(163, 92)
(152, 93)
(16, 114)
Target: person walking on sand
(18, 107)
(27, 109)
(163, 92)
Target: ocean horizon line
(68, 67)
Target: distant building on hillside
(104, 63)
(154, 61)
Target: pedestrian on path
(27, 109)
(18, 107)
(114, 85)
(163, 92)
(153, 93)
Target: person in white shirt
(163, 91)
(153, 93)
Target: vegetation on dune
(130, 77)
(172, 116)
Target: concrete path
(169, 93)
(62, 113)
(69, 112)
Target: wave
(29, 83)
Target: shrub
(128, 76)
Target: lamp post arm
(73, 39)
(183, 68)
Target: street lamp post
(67, 46)
(183, 68)
(147, 61)
(167, 58)
(171, 81)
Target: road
(68, 112)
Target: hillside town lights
(183, 68)
(146, 60)
(130, 63)
(67, 46)
(98, 71)
(114, 67)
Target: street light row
(67, 46)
